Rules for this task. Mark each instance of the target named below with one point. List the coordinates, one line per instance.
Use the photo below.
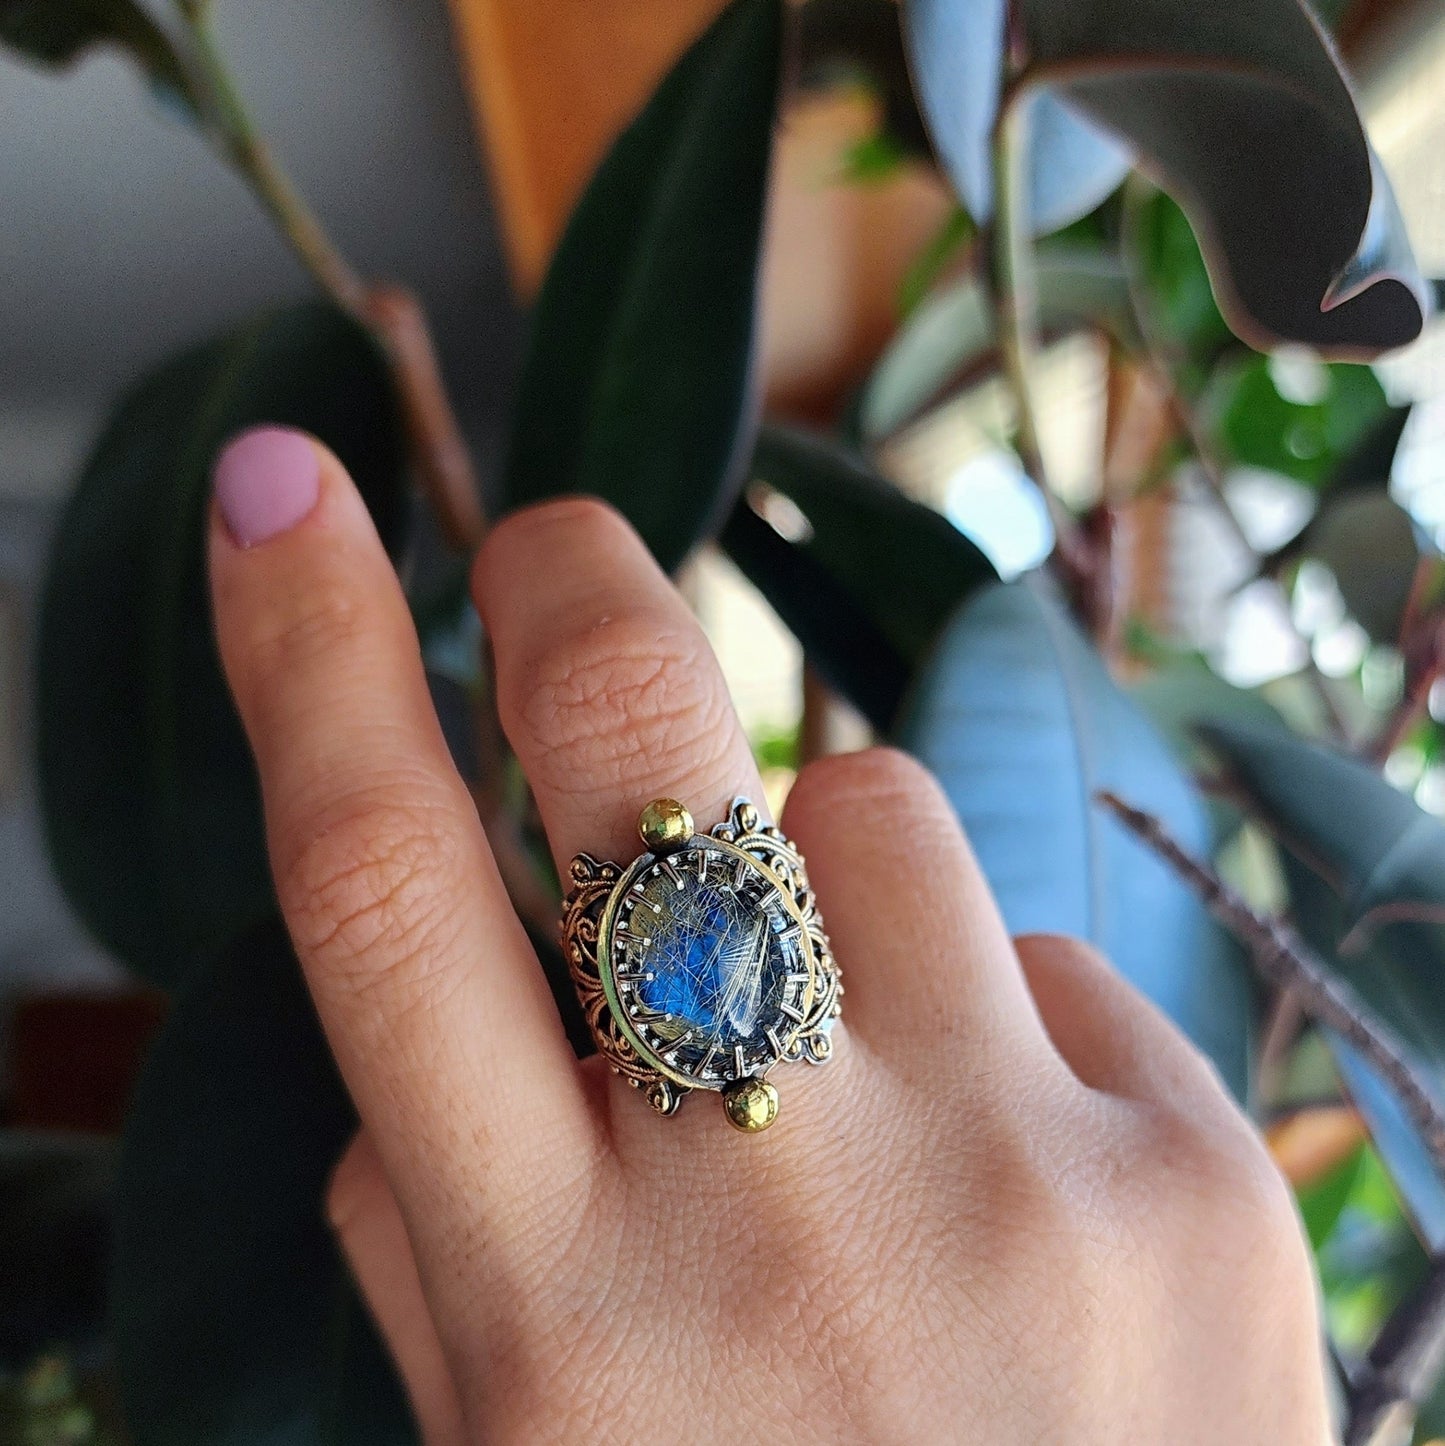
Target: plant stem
(1013, 286)
(444, 464)
(235, 134)
(1285, 962)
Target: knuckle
(590, 520)
(1219, 1177)
(880, 779)
(365, 891)
(636, 685)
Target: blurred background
(443, 146)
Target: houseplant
(639, 385)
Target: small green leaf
(638, 381)
(1373, 547)
(946, 244)
(1177, 299)
(1020, 721)
(56, 33)
(1365, 866)
(146, 782)
(234, 1317)
(1323, 1201)
(849, 40)
(1306, 440)
(865, 576)
(951, 335)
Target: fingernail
(266, 480)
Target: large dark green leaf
(1366, 871)
(1241, 109)
(146, 782)
(234, 1319)
(55, 1212)
(56, 33)
(865, 576)
(1019, 719)
(637, 385)
(957, 51)
(952, 333)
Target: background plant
(232, 1316)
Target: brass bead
(751, 1105)
(665, 826)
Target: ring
(703, 963)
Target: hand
(1017, 1206)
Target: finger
(1108, 1033)
(431, 997)
(924, 955)
(606, 685)
(369, 1227)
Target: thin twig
(1407, 1356)
(1285, 962)
(1012, 286)
(1404, 1363)
(1422, 643)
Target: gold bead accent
(665, 826)
(751, 1105)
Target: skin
(1016, 1207)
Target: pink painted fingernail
(266, 480)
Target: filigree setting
(704, 964)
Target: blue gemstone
(714, 965)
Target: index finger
(431, 997)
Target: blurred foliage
(640, 383)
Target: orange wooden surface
(553, 83)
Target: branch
(444, 461)
(1406, 1358)
(1285, 962)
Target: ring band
(703, 964)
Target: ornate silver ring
(702, 965)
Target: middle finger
(607, 688)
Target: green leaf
(841, 40)
(1365, 867)
(1322, 1202)
(1177, 297)
(951, 334)
(1308, 441)
(146, 782)
(957, 51)
(1240, 108)
(865, 576)
(1023, 726)
(638, 381)
(56, 33)
(1373, 547)
(233, 1315)
(957, 231)
(55, 1210)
